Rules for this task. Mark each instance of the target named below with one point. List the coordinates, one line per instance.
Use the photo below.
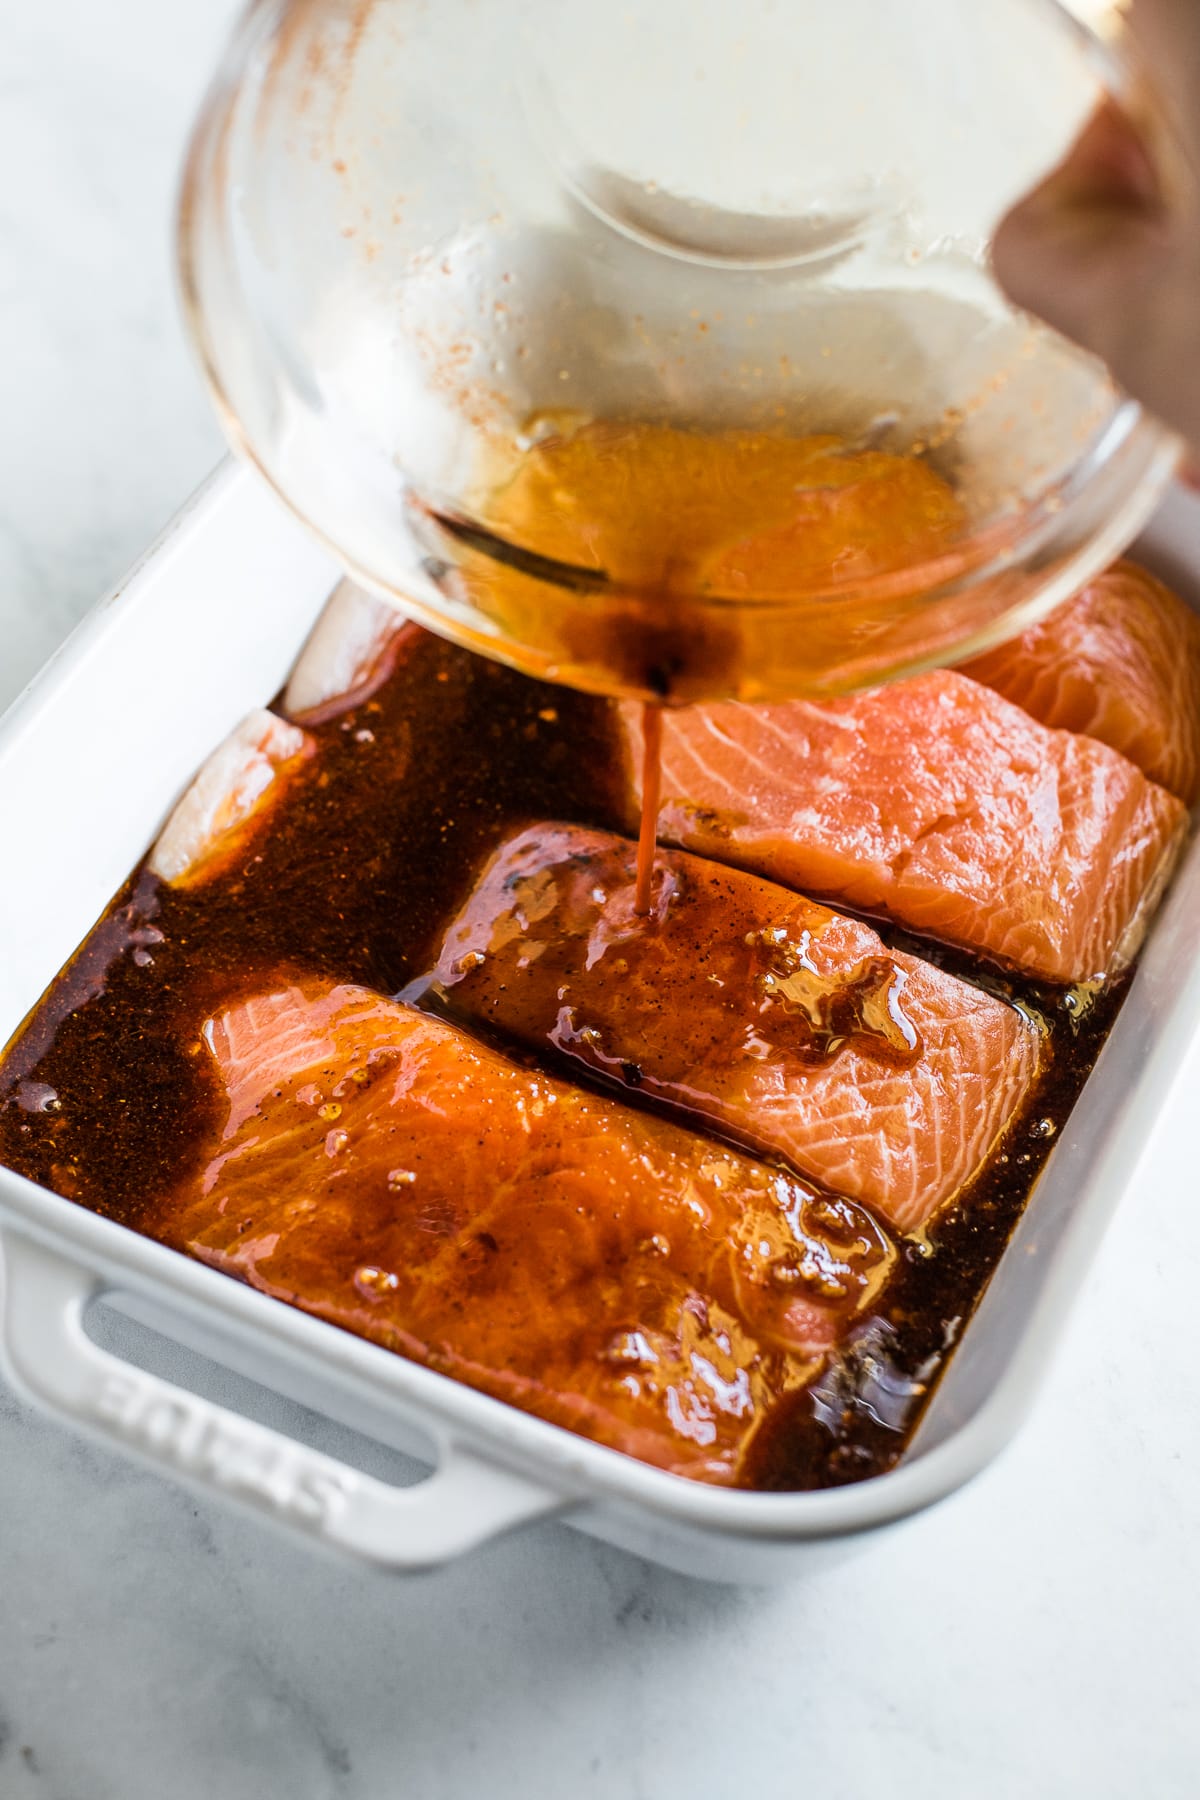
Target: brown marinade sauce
(103, 1096)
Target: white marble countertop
(1038, 1635)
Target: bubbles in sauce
(375, 1284)
(863, 1006)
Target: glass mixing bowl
(651, 345)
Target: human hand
(1107, 250)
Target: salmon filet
(1121, 663)
(936, 803)
(229, 800)
(349, 653)
(784, 1025)
(604, 1269)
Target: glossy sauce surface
(560, 913)
(746, 1009)
(598, 1266)
(107, 1096)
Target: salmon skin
(606, 1270)
(935, 803)
(783, 1025)
(1121, 663)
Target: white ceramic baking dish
(91, 758)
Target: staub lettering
(197, 1439)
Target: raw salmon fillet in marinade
(936, 803)
(602, 1268)
(1120, 662)
(774, 1020)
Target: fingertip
(1110, 163)
(1059, 249)
(1018, 254)
(1108, 180)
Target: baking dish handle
(50, 1358)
